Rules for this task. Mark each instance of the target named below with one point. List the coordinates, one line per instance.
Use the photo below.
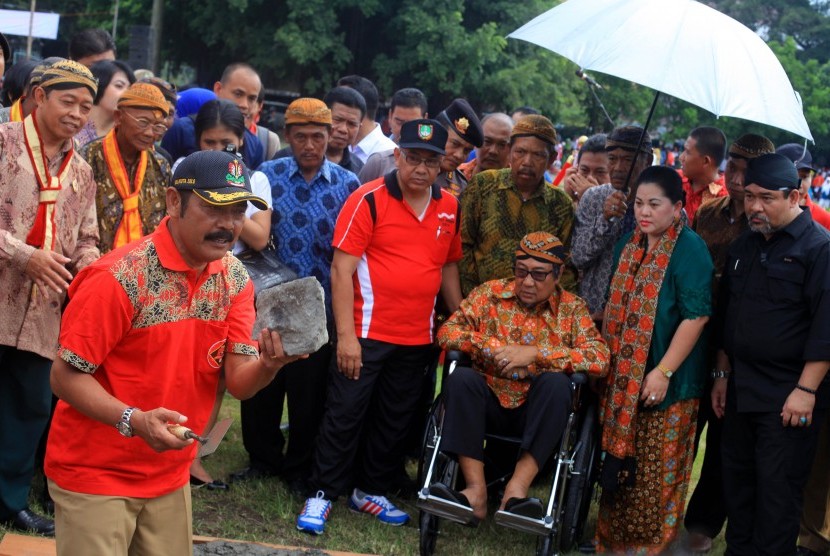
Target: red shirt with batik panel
(153, 332)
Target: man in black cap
(773, 324)
(170, 312)
(719, 222)
(465, 134)
(396, 245)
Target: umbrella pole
(601, 105)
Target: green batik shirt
(494, 217)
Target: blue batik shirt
(302, 223)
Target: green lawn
(265, 511)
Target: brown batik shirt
(152, 204)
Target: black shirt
(774, 308)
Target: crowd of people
(690, 288)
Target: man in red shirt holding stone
(148, 329)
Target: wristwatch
(665, 371)
(124, 426)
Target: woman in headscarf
(659, 302)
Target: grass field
(264, 510)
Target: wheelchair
(574, 469)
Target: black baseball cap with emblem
(423, 134)
(217, 177)
(460, 117)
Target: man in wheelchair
(525, 335)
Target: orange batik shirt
(561, 328)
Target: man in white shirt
(370, 139)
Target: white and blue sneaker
(314, 515)
(377, 506)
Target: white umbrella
(678, 47)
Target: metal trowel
(209, 442)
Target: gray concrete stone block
(297, 310)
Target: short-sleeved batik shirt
(153, 332)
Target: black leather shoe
(215, 484)
(251, 473)
(27, 520)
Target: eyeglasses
(535, 156)
(414, 160)
(144, 123)
(537, 275)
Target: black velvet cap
(772, 171)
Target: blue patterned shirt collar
(324, 171)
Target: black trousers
(25, 401)
(363, 434)
(304, 383)
(765, 467)
(706, 512)
(473, 409)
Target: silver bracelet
(719, 373)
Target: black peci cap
(217, 177)
(772, 171)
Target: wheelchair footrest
(541, 527)
(446, 509)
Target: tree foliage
(452, 48)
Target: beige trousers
(815, 518)
(122, 526)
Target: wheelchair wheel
(580, 486)
(545, 546)
(445, 471)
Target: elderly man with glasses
(525, 335)
(132, 177)
(500, 206)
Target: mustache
(222, 235)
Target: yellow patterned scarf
(628, 325)
(43, 232)
(130, 227)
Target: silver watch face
(124, 428)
